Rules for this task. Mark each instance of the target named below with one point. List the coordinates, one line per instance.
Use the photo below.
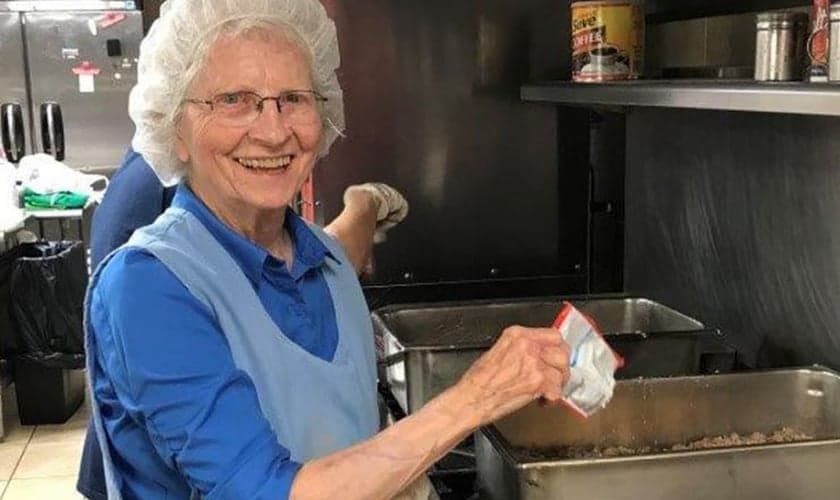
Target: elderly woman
(229, 346)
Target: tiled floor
(40, 462)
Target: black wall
(735, 218)
(669, 10)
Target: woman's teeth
(265, 163)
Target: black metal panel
(497, 188)
(607, 156)
(379, 296)
(732, 218)
(51, 229)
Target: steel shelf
(796, 98)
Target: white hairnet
(176, 46)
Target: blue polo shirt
(179, 415)
(135, 197)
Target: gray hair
(176, 47)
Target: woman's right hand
(525, 364)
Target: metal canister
(834, 45)
(607, 40)
(780, 46)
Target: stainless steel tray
(428, 347)
(664, 412)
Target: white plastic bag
(592, 363)
(8, 177)
(45, 175)
(10, 212)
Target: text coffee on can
(607, 40)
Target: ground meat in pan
(783, 435)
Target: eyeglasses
(239, 109)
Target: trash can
(47, 283)
(8, 331)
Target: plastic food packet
(592, 363)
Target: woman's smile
(273, 164)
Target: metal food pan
(427, 347)
(663, 412)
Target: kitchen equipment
(780, 46)
(834, 45)
(67, 70)
(426, 348)
(664, 412)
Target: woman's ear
(181, 149)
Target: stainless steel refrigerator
(66, 69)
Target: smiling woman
(229, 346)
(245, 160)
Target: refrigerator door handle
(11, 125)
(52, 130)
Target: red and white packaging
(818, 41)
(592, 363)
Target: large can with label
(819, 41)
(608, 40)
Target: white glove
(392, 207)
(421, 489)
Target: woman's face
(262, 165)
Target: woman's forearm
(353, 228)
(386, 464)
(523, 365)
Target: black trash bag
(48, 286)
(8, 328)
(64, 361)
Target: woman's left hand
(369, 211)
(391, 206)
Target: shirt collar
(310, 251)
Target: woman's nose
(271, 125)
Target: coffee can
(607, 40)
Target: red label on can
(818, 41)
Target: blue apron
(330, 408)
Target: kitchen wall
(719, 42)
(607, 158)
(669, 10)
(151, 10)
(497, 187)
(733, 218)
